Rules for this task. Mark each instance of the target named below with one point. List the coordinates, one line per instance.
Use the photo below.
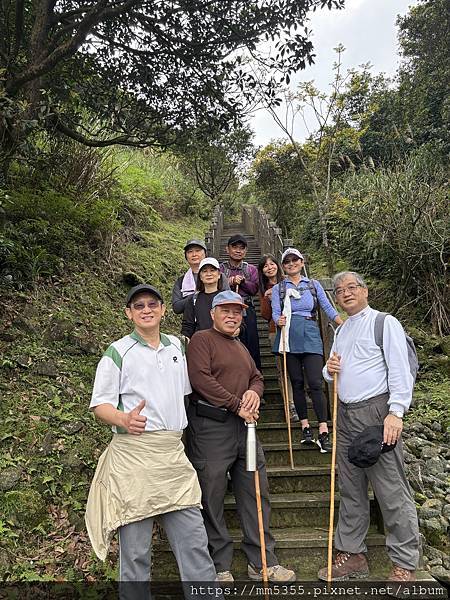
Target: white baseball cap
(209, 260)
(289, 251)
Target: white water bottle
(250, 458)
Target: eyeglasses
(291, 260)
(140, 306)
(350, 288)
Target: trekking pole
(251, 465)
(285, 397)
(333, 478)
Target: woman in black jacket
(197, 314)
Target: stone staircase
(300, 497)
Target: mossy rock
(24, 507)
(440, 363)
(58, 329)
(9, 478)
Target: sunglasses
(140, 306)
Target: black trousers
(311, 364)
(249, 335)
(214, 449)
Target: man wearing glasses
(375, 388)
(144, 473)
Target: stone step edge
(296, 500)
(299, 470)
(282, 425)
(314, 537)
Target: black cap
(190, 243)
(366, 448)
(237, 238)
(143, 287)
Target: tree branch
(67, 49)
(20, 5)
(121, 140)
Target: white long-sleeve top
(363, 369)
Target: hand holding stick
(285, 397)
(333, 479)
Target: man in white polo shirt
(144, 473)
(375, 388)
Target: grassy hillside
(54, 326)
(52, 339)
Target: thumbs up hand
(134, 422)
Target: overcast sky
(367, 30)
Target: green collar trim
(138, 338)
(165, 341)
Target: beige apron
(138, 477)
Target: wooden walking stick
(286, 398)
(251, 465)
(333, 477)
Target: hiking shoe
(323, 441)
(275, 574)
(224, 577)
(307, 436)
(346, 566)
(293, 414)
(400, 574)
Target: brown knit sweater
(221, 369)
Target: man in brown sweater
(227, 388)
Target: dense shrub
(43, 230)
(393, 224)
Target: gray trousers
(215, 448)
(389, 484)
(187, 537)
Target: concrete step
(294, 510)
(275, 413)
(302, 549)
(303, 478)
(277, 432)
(277, 453)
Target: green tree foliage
(280, 184)
(400, 116)
(216, 163)
(424, 73)
(137, 72)
(327, 150)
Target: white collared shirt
(363, 369)
(131, 370)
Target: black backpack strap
(282, 292)
(312, 288)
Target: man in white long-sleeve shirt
(373, 389)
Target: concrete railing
(212, 237)
(257, 222)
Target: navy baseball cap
(238, 238)
(367, 447)
(143, 287)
